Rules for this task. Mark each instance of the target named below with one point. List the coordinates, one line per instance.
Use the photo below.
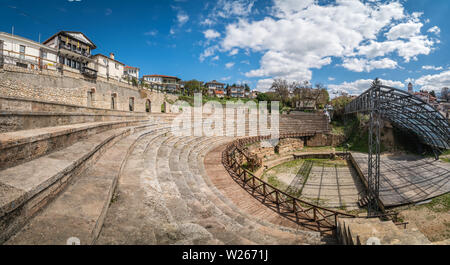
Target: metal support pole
(374, 151)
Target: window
(44, 55)
(131, 104)
(148, 106)
(23, 65)
(113, 101)
(117, 66)
(22, 52)
(89, 98)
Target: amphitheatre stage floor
(408, 178)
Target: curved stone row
(79, 210)
(165, 197)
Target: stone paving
(334, 187)
(408, 179)
(329, 186)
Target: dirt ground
(432, 219)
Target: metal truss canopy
(407, 112)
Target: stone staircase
(360, 231)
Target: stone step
(361, 231)
(271, 233)
(22, 146)
(80, 210)
(134, 218)
(163, 199)
(27, 188)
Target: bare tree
(445, 94)
(281, 87)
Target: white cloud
(363, 65)
(234, 52)
(215, 58)
(436, 30)
(226, 78)
(434, 82)
(404, 30)
(207, 22)
(210, 51)
(302, 35)
(151, 33)
(431, 67)
(229, 65)
(359, 86)
(264, 85)
(331, 78)
(182, 18)
(234, 8)
(228, 9)
(211, 34)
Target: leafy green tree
(193, 86)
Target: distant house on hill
(305, 104)
(237, 91)
(425, 96)
(215, 88)
(131, 72)
(163, 82)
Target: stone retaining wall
(72, 88)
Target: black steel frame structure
(405, 111)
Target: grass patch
(273, 180)
(328, 162)
(439, 204)
(447, 160)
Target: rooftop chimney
(111, 55)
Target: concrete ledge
(22, 146)
(11, 121)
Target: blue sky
(342, 44)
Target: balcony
(89, 72)
(67, 50)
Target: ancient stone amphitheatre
(113, 176)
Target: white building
(163, 82)
(74, 52)
(26, 53)
(108, 67)
(131, 72)
(215, 89)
